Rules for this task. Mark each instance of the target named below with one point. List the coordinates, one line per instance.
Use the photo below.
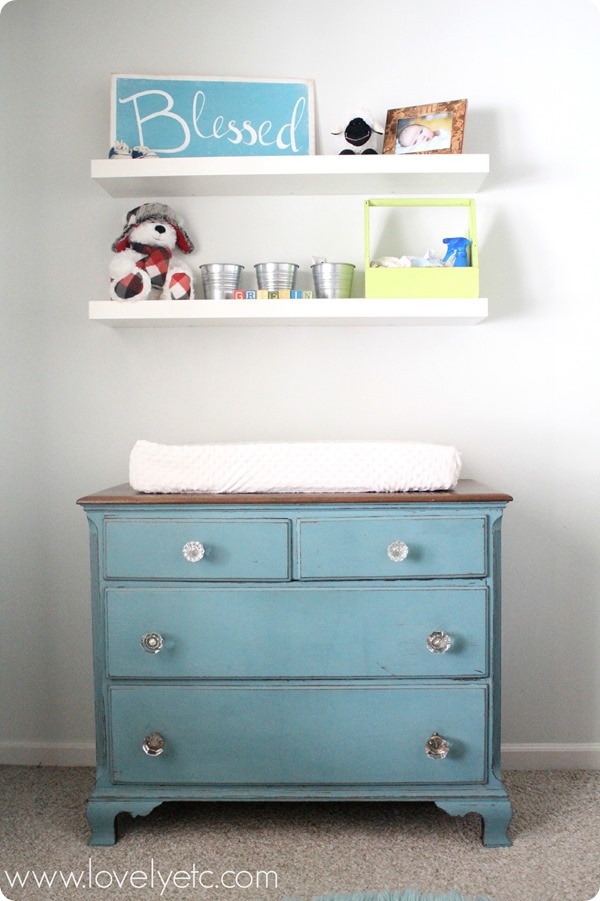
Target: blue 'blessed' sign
(187, 116)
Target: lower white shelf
(352, 311)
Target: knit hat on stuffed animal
(154, 212)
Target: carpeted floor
(306, 849)
(407, 895)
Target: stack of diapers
(297, 467)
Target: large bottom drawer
(297, 733)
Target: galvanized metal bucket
(276, 276)
(333, 279)
(220, 280)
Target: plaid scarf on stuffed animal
(155, 261)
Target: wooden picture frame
(434, 128)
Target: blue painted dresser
(297, 647)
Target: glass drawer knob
(437, 747)
(193, 551)
(154, 744)
(397, 551)
(152, 642)
(439, 642)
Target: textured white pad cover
(322, 466)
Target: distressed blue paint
(298, 734)
(343, 548)
(294, 664)
(204, 117)
(150, 548)
(348, 631)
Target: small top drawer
(398, 547)
(197, 549)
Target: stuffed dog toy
(143, 266)
(359, 135)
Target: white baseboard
(47, 753)
(515, 756)
(551, 756)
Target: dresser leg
(101, 817)
(496, 814)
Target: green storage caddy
(427, 281)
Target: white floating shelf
(380, 174)
(353, 311)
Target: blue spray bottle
(457, 247)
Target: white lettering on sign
(297, 114)
(247, 133)
(166, 111)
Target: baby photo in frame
(434, 128)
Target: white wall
(518, 394)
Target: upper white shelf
(382, 174)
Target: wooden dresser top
(467, 491)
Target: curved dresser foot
(496, 814)
(101, 816)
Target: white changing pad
(327, 466)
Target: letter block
(282, 294)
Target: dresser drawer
(196, 548)
(396, 547)
(297, 734)
(296, 632)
